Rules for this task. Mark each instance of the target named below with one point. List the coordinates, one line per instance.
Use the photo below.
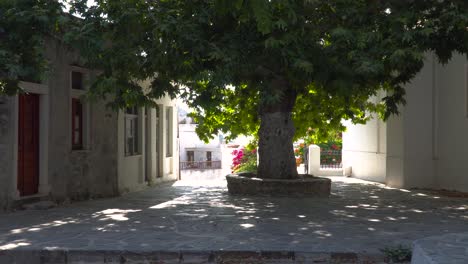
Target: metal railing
(330, 159)
(200, 165)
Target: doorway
(28, 144)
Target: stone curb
(183, 257)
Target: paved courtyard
(360, 217)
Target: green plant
(398, 254)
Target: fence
(200, 165)
(330, 159)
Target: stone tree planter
(307, 185)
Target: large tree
(272, 67)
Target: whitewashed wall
(426, 146)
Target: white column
(314, 160)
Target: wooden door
(28, 144)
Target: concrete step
(34, 202)
(445, 249)
(58, 256)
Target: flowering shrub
(299, 154)
(244, 160)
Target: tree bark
(275, 146)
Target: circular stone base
(306, 186)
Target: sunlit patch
(374, 197)
(301, 216)
(352, 206)
(371, 229)
(304, 228)
(247, 226)
(275, 218)
(35, 228)
(14, 245)
(114, 214)
(417, 211)
(373, 220)
(184, 200)
(16, 231)
(51, 248)
(421, 194)
(323, 233)
(391, 218)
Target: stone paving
(359, 217)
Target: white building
(194, 149)
(426, 146)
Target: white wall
(160, 166)
(364, 149)
(452, 148)
(189, 141)
(395, 152)
(426, 146)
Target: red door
(28, 144)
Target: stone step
(35, 202)
(184, 257)
(445, 249)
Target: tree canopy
(233, 60)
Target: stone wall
(78, 174)
(6, 151)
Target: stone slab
(446, 249)
(359, 218)
(308, 187)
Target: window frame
(132, 116)
(168, 117)
(77, 112)
(76, 97)
(190, 155)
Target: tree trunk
(275, 146)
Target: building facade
(426, 146)
(56, 145)
(200, 160)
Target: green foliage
(24, 25)
(398, 254)
(223, 56)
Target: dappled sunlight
(322, 233)
(36, 228)
(208, 218)
(183, 200)
(113, 214)
(14, 245)
(247, 226)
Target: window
(79, 127)
(77, 124)
(131, 132)
(190, 156)
(168, 124)
(208, 158)
(77, 80)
